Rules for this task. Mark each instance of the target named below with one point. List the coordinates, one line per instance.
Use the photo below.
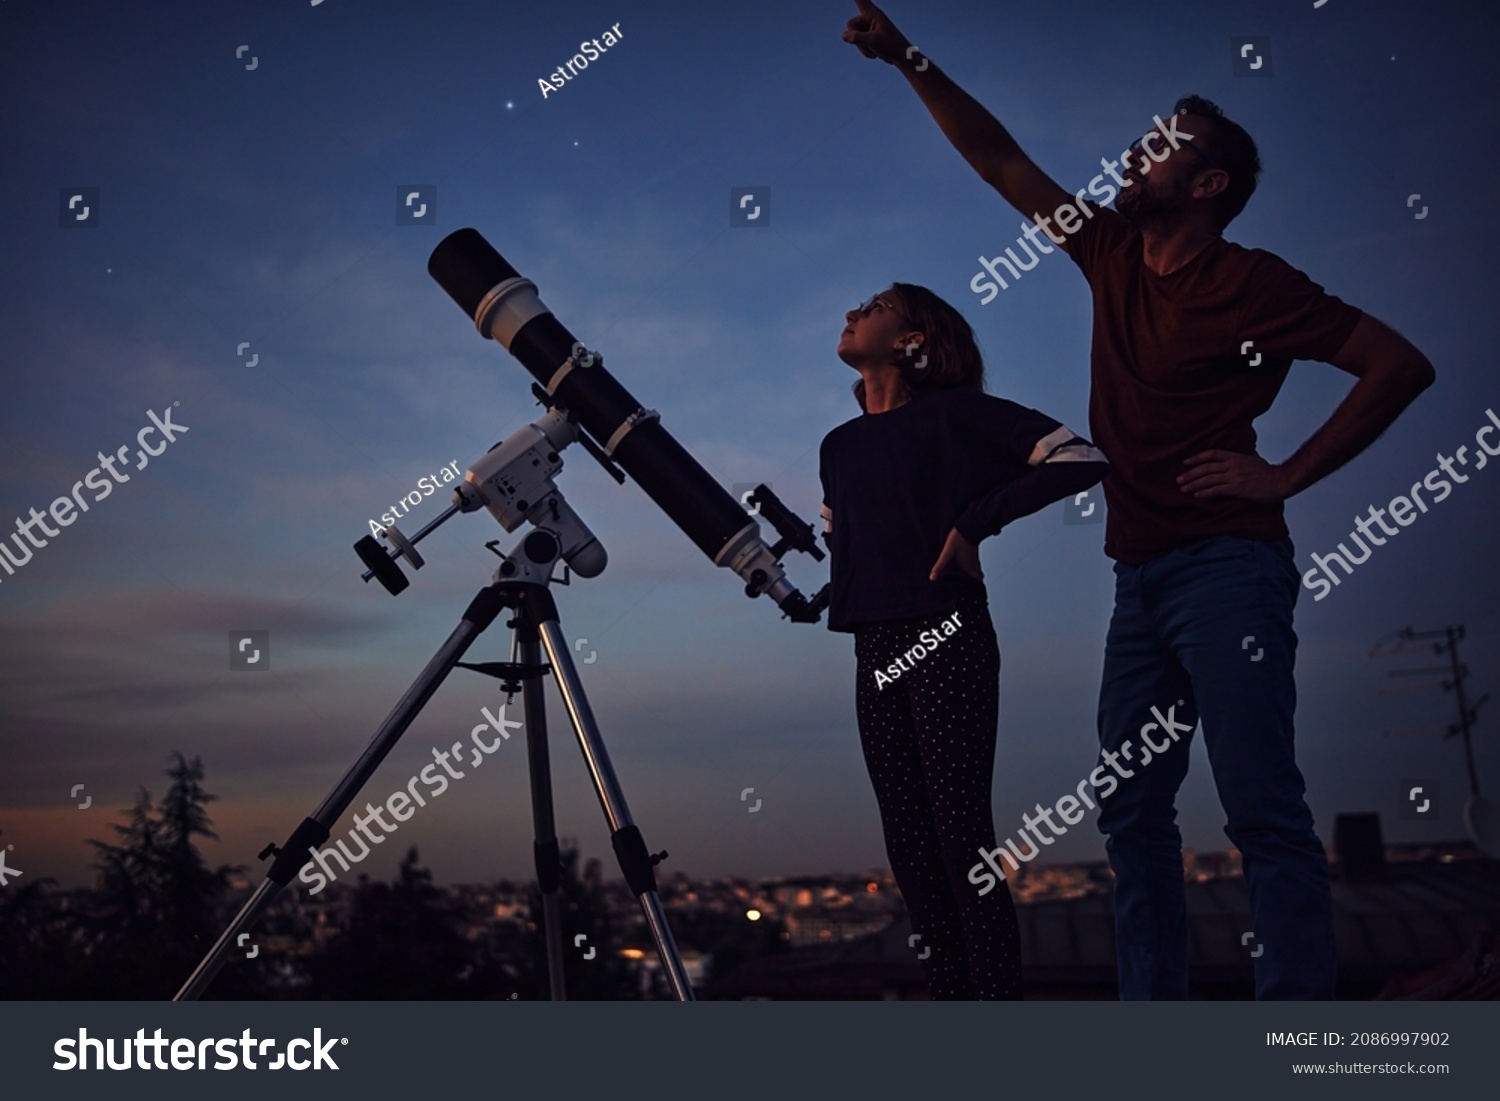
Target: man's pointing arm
(973, 131)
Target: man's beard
(1146, 204)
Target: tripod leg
(314, 830)
(630, 847)
(548, 868)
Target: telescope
(516, 481)
(590, 404)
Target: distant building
(1438, 906)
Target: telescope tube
(506, 307)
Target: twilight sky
(257, 206)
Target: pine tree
(158, 900)
(190, 891)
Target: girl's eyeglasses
(864, 308)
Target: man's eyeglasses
(1138, 148)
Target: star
(4, 870)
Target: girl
(910, 488)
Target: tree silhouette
(190, 891)
(128, 873)
(586, 913)
(42, 945)
(403, 940)
(158, 900)
(158, 906)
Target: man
(1192, 339)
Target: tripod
(522, 585)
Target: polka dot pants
(929, 744)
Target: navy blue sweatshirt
(895, 483)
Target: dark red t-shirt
(1169, 379)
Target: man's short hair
(1232, 149)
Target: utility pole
(1481, 815)
(1452, 636)
(1443, 642)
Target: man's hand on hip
(1231, 474)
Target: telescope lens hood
(468, 268)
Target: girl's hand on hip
(958, 551)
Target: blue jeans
(1207, 629)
